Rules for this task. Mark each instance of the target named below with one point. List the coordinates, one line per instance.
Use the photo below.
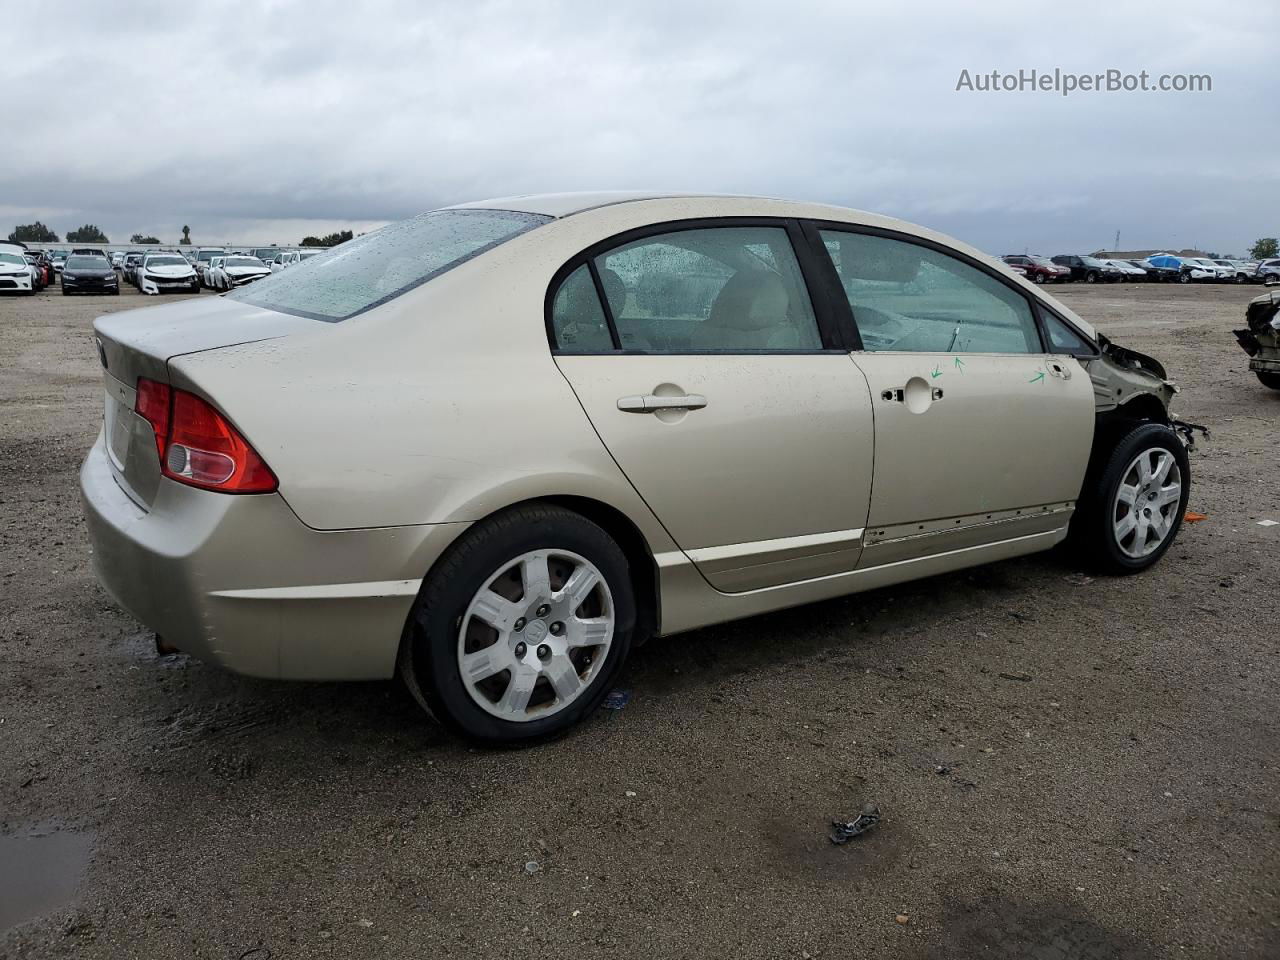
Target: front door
(981, 435)
(708, 377)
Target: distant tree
(33, 233)
(139, 238)
(89, 233)
(332, 240)
(1264, 248)
(186, 236)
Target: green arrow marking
(959, 364)
(936, 372)
(1037, 378)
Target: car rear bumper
(241, 582)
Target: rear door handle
(651, 403)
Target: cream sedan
(494, 447)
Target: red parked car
(44, 273)
(1038, 269)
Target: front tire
(522, 627)
(1133, 500)
(1091, 277)
(1269, 379)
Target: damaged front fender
(1121, 376)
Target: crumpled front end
(1121, 375)
(1261, 338)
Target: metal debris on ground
(844, 831)
(1267, 523)
(1192, 517)
(616, 699)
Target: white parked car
(236, 271)
(117, 259)
(16, 275)
(1240, 269)
(202, 258)
(1128, 269)
(290, 258)
(1218, 272)
(166, 272)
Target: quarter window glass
(1062, 339)
(577, 317)
(718, 290)
(910, 298)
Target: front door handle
(651, 403)
(1059, 369)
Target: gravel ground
(1109, 746)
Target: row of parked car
(27, 271)
(1159, 267)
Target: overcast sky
(268, 121)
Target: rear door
(981, 435)
(714, 379)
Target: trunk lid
(140, 343)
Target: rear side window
(910, 298)
(709, 290)
(370, 270)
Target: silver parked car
(494, 447)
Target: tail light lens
(197, 445)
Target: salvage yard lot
(1057, 758)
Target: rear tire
(490, 568)
(1269, 379)
(1130, 512)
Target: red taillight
(198, 445)
(153, 406)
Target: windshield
(377, 267)
(167, 262)
(1092, 262)
(243, 262)
(87, 263)
(1043, 261)
(12, 259)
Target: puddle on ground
(41, 865)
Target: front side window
(906, 297)
(709, 290)
(377, 267)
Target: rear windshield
(377, 267)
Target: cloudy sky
(266, 121)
